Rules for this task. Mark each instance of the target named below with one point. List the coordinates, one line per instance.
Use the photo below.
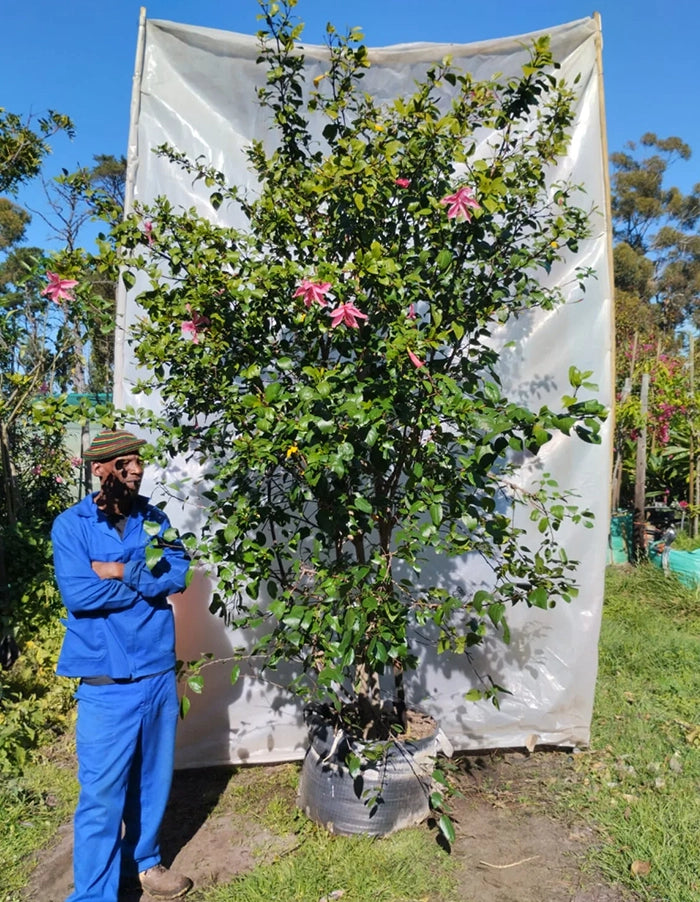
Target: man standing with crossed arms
(120, 643)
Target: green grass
(34, 805)
(311, 864)
(640, 780)
(399, 868)
(686, 542)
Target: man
(120, 642)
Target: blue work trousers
(125, 740)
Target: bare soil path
(509, 847)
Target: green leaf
(444, 259)
(184, 706)
(436, 800)
(196, 683)
(363, 504)
(539, 598)
(447, 828)
(151, 528)
(439, 777)
(153, 555)
(128, 279)
(354, 765)
(540, 435)
(294, 617)
(496, 612)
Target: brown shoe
(161, 883)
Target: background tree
(22, 151)
(657, 255)
(657, 288)
(23, 146)
(56, 316)
(75, 199)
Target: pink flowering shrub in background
(672, 424)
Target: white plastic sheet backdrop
(194, 88)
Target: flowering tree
(671, 421)
(331, 363)
(49, 310)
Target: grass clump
(315, 864)
(34, 805)
(399, 868)
(267, 795)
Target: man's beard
(116, 496)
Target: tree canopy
(657, 253)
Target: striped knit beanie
(108, 445)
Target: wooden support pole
(617, 466)
(640, 478)
(692, 448)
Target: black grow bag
(390, 793)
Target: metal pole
(131, 166)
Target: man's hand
(108, 569)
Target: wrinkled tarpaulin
(194, 88)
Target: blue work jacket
(121, 628)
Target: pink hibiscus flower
(416, 361)
(461, 203)
(347, 314)
(59, 289)
(402, 183)
(313, 291)
(191, 328)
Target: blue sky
(77, 57)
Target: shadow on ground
(209, 842)
(510, 846)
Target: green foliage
(50, 310)
(29, 571)
(342, 451)
(672, 424)
(23, 148)
(35, 705)
(34, 494)
(13, 222)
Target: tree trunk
(9, 481)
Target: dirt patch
(509, 847)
